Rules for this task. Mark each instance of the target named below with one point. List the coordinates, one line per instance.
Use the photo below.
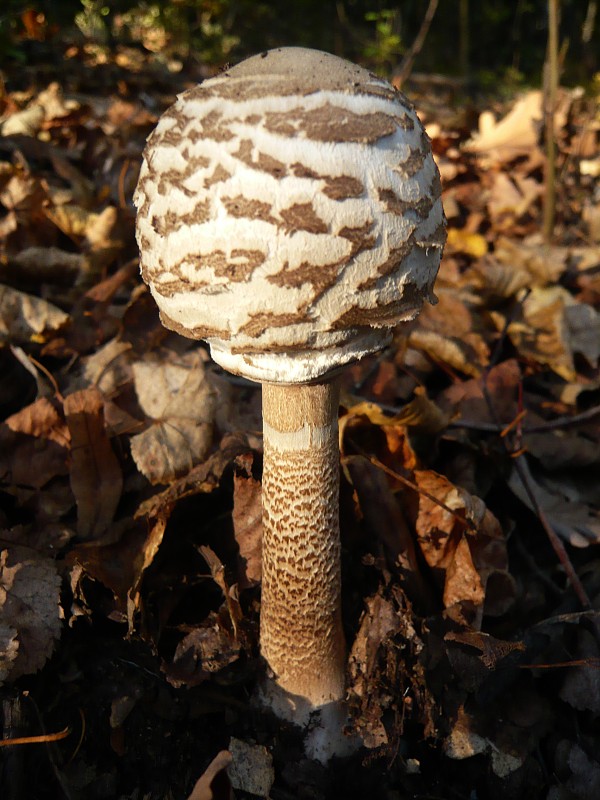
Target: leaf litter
(130, 524)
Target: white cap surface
(289, 212)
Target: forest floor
(130, 480)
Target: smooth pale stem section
(301, 628)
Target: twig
(413, 51)
(45, 737)
(523, 473)
(414, 486)
(543, 427)
(550, 88)
(555, 540)
(594, 661)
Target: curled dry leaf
(25, 318)
(30, 611)
(463, 543)
(180, 399)
(96, 477)
(516, 134)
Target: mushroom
(289, 214)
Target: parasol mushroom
(289, 214)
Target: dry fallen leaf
(30, 611)
(463, 241)
(553, 327)
(202, 652)
(578, 771)
(581, 686)
(451, 333)
(33, 445)
(516, 133)
(465, 741)
(25, 318)
(96, 478)
(576, 523)
(25, 123)
(247, 528)
(180, 398)
(464, 543)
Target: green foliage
(383, 50)
(504, 40)
(92, 21)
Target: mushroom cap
(289, 213)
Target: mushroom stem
(301, 628)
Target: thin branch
(552, 425)
(414, 486)
(522, 470)
(413, 51)
(45, 737)
(550, 89)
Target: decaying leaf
(47, 264)
(203, 478)
(544, 265)
(29, 609)
(107, 368)
(386, 526)
(180, 398)
(386, 643)
(96, 477)
(501, 383)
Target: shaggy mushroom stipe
(289, 213)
